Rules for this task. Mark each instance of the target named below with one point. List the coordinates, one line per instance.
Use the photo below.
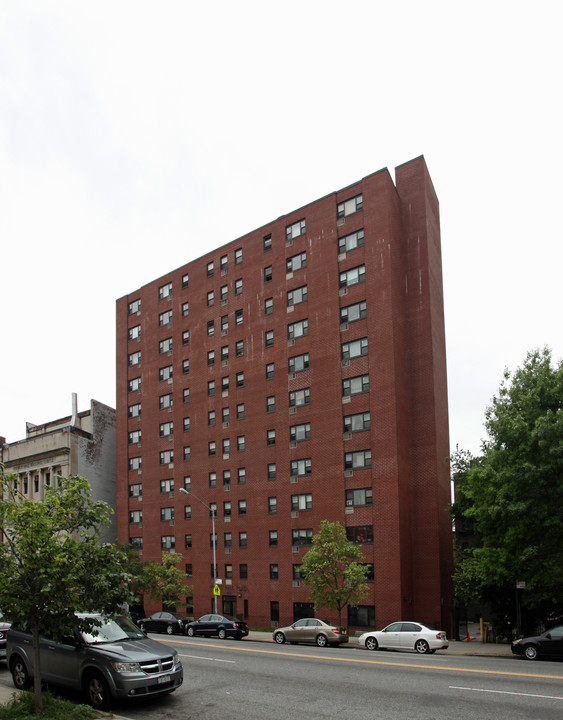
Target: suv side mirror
(69, 640)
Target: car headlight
(176, 659)
(125, 667)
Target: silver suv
(114, 661)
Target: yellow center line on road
(369, 662)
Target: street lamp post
(213, 540)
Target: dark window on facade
(359, 497)
(361, 534)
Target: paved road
(228, 680)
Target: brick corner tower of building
(296, 374)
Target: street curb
(456, 647)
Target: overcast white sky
(136, 136)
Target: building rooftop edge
(260, 227)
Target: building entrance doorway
(230, 605)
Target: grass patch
(22, 707)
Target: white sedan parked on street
(405, 636)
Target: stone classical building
(80, 444)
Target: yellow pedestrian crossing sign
(216, 590)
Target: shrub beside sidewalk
(22, 707)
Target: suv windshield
(113, 631)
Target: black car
(547, 645)
(221, 625)
(168, 622)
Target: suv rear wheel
(20, 676)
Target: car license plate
(164, 679)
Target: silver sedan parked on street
(405, 636)
(311, 630)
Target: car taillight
(438, 636)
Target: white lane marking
(202, 657)
(506, 692)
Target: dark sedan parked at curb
(311, 630)
(221, 625)
(548, 645)
(164, 622)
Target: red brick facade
(291, 384)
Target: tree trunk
(36, 669)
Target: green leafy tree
(165, 581)
(53, 563)
(512, 497)
(334, 568)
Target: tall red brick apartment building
(296, 374)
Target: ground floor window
(303, 610)
(274, 611)
(361, 616)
